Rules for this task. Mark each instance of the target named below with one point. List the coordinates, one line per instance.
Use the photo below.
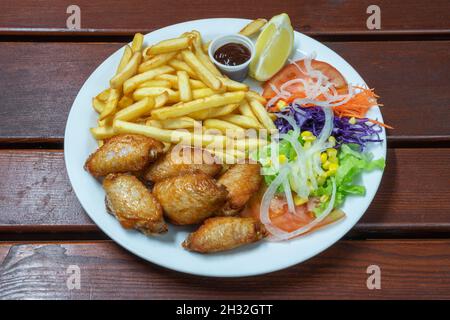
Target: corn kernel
(299, 200)
(352, 120)
(334, 167)
(308, 136)
(281, 104)
(333, 160)
(332, 141)
(331, 152)
(282, 159)
(326, 165)
(323, 157)
(307, 145)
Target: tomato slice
(291, 71)
(282, 218)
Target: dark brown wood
(41, 80)
(313, 17)
(409, 270)
(413, 198)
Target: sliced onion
(264, 213)
(288, 195)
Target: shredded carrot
(356, 107)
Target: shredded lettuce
(351, 164)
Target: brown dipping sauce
(232, 54)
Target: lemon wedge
(273, 47)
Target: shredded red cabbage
(313, 119)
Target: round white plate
(166, 250)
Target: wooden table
(44, 230)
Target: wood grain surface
(410, 201)
(405, 231)
(314, 17)
(409, 269)
(36, 97)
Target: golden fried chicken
(133, 204)
(224, 233)
(186, 160)
(241, 181)
(190, 198)
(123, 153)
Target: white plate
(166, 251)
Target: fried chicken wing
(133, 204)
(224, 233)
(190, 198)
(241, 181)
(187, 160)
(123, 153)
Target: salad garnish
(313, 162)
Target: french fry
(202, 57)
(233, 85)
(100, 143)
(111, 104)
(262, 114)
(128, 71)
(221, 125)
(170, 45)
(107, 122)
(198, 105)
(253, 27)
(124, 102)
(202, 72)
(153, 123)
(103, 96)
(183, 86)
(182, 66)
(141, 93)
(179, 123)
(156, 83)
(101, 133)
(254, 95)
(136, 110)
(249, 144)
(138, 40)
(205, 92)
(242, 121)
(98, 105)
(156, 61)
(127, 54)
(195, 84)
(246, 110)
(214, 112)
(170, 136)
(161, 99)
(132, 83)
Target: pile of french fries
(171, 91)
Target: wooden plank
(313, 17)
(409, 270)
(413, 198)
(36, 97)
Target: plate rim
(256, 272)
